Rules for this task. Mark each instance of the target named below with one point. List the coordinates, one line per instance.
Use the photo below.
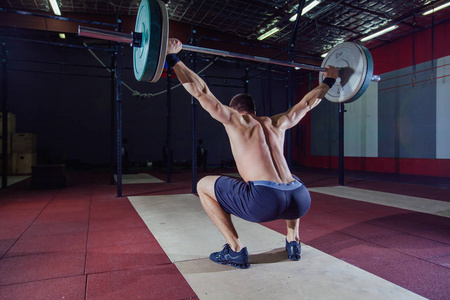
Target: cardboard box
(24, 143)
(11, 123)
(9, 143)
(22, 163)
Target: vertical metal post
(4, 132)
(291, 55)
(168, 138)
(289, 105)
(414, 51)
(301, 4)
(433, 69)
(119, 113)
(341, 109)
(289, 96)
(112, 124)
(193, 117)
(246, 81)
(269, 93)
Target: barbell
(149, 42)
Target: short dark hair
(243, 103)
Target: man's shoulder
(260, 119)
(267, 121)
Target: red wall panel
(393, 56)
(399, 54)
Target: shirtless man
(268, 190)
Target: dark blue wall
(71, 113)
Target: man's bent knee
(206, 185)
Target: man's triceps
(293, 116)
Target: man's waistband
(279, 186)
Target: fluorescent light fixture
(268, 33)
(433, 10)
(55, 7)
(305, 9)
(324, 55)
(62, 36)
(381, 32)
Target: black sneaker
(294, 249)
(228, 257)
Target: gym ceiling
(329, 23)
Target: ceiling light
(433, 10)
(55, 7)
(305, 9)
(369, 37)
(268, 33)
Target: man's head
(243, 103)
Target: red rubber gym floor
(82, 242)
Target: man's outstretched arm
(291, 117)
(198, 88)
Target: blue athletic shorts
(262, 201)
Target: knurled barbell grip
(260, 59)
(251, 58)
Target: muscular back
(257, 146)
(256, 142)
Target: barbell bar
(135, 40)
(150, 38)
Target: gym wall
(68, 105)
(400, 124)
